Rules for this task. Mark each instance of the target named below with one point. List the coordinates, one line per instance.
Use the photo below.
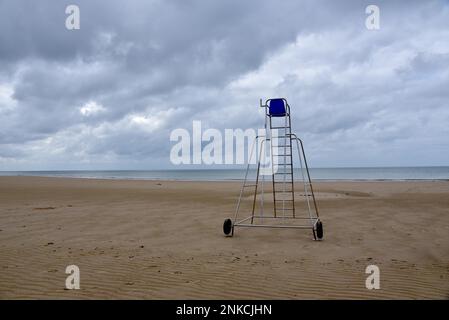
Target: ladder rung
(284, 173)
(280, 127)
(276, 200)
(281, 155)
(282, 146)
(284, 208)
(285, 115)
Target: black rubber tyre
(319, 230)
(227, 227)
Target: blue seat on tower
(277, 108)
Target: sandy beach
(164, 240)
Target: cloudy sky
(108, 95)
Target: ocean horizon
(357, 173)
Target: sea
(329, 174)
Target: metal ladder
(283, 182)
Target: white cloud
(7, 102)
(91, 108)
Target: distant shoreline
(317, 174)
(216, 180)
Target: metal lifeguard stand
(275, 204)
